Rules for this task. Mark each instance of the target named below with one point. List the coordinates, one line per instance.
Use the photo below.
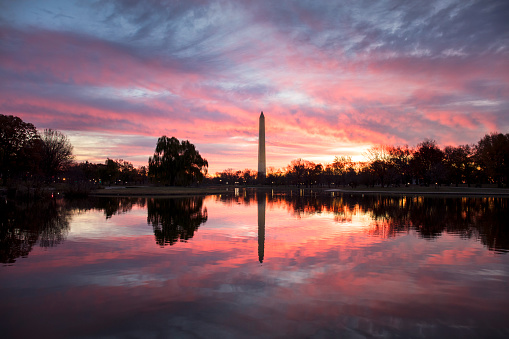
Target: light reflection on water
(252, 265)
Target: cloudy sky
(332, 77)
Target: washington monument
(261, 148)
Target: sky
(333, 78)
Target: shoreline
(441, 193)
(167, 191)
(155, 191)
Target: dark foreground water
(255, 266)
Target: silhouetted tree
(110, 171)
(296, 171)
(492, 156)
(366, 176)
(229, 176)
(400, 157)
(141, 174)
(328, 175)
(303, 172)
(127, 172)
(57, 152)
(390, 164)
(458, 163)
(317, 175)
(176, 163)
(427, 162)
(19, 148)
(380, 161)
(340, 167)
(249, 176)
(275, 176)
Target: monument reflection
(261, 227)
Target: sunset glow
(332, 78)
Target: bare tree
(340, 167)
(427, 162)
(380, 161)
(57, 152)
(459, 163)
(492, 155)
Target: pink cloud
(452, 119)
(315, 100)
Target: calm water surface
(255, 265)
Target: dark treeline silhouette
(484, 218)
(487, 162)
(30, 160)
(33, 159)
(232, 177)
(112, 172)
(25, 153)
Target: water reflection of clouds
(95, 225)
(318, 277)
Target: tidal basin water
(256, 265)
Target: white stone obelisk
(261, 148)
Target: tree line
(26, 155)
(33, 157)
(36, 158)
(486, 162)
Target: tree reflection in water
(175, 219)
(484, 218)
(114, 206)
(172, 219)
(109, 205)
(23, 223)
